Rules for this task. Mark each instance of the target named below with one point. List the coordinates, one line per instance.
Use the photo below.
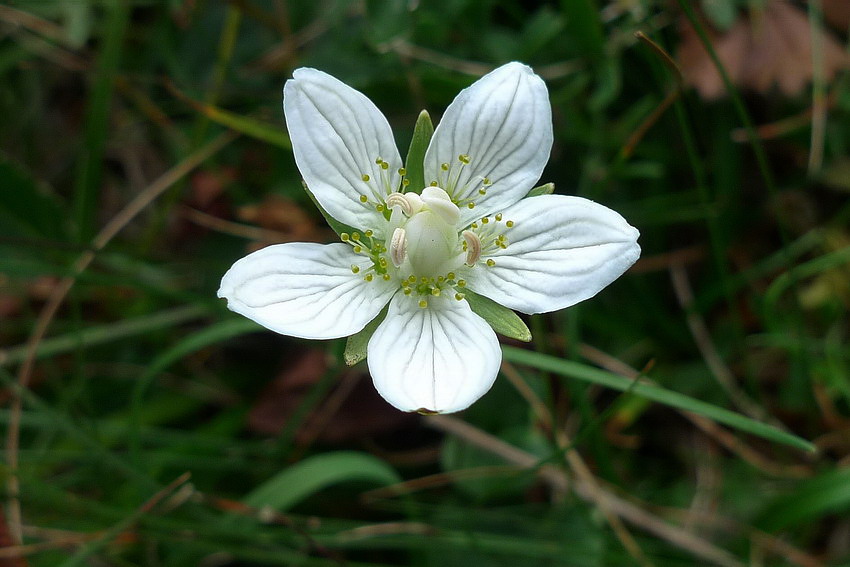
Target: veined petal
(337, 136)
(439, 359)
(560, 250)
(305, 290)
(503, 123)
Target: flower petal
(561, 250)
(337, 134)
(438, 359)
(503, 122)
(305, 290)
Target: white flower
(419, 249)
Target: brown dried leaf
(772, 48)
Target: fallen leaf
(770, 48)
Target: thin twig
(709, 427)
(57, 297)
(705, 344)
(574, 460)
(623, 508)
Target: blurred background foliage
(143, 150)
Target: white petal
(337, 134)
(305, 290)
(561, 250)
(503, 122)
(439, 359)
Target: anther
(386, 277)
(444, 166)
(355, 236)
(471, 205)
(473, 247)
(363, 198)
(459, 296)
(402, 171)
(409, 203)
(463, 158)
(368, 277)
(423, 304)
(498, 216)
(485, 220)
(461, 283)
(369, 233)
(509, 224)
(435, 291)
(433, 184)
(344, 237)
(365, 177)
(398, 247)
(355, 268)
(491, 262)
(358, 249)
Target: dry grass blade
(59, 293)
(575, 461)
(557, 478)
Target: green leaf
(810, 500)
(337, 226)
(546, 189)
(101, 334)
(721, 13)
(415, 162)
(355, 345)
(26, 207)
(244, 125)
(308, 477)
(503, 320)
(656, 393)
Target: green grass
(159, 429)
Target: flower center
(424, 246)
(425, 239)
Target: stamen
(410, 203)
(473, 247)
(398, 247)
